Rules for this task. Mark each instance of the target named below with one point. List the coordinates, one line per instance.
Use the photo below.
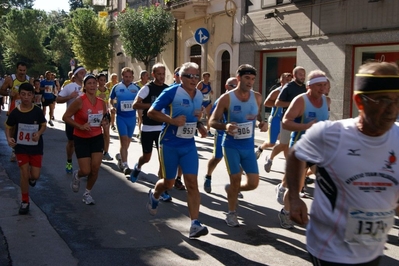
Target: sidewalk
(22, 232)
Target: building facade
(336, 36)
(216, 52)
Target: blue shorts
(125, 125)
(217, 145)
(171, 157)
(274, 130)
(238, 158)
(206, 103)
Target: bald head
(231, 83)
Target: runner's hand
(299, 211)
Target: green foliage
(91, 38)
(7, 5)
(143, 32)
(75, 4)
(23, 34)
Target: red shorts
(33, 160)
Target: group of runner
(171, 117)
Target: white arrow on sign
(202, 37)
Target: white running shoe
(87, 199)
(232, 220)
(197, 230)
(285, 221)
(280, 190)
(75, 183)
(268, 164)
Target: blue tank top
(244, 114)
(206, 88)
(310, 113)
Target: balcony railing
(138, 3)
(181, 3)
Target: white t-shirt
(68, 90)
(357, 190)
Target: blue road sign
(201, 35)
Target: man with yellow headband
(357, 180)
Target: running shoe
(113, 127)
(165, 197)
(207, 185)
(32, 182)
(50, 123)
(258, 153)
(69, 168)
(127, 170)
(119, 159)
(179, 185)
(75, 183)
(285, 221)
(209, 134)
(107, 157)
(232, 220)
(88, 199)
(268, 164)
(240, 195)
(280, 190)
(197, 230)
(152, 204)
(13, 158)
(135, 174)
(24, 208)
(303, 194)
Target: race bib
(207, 97)
(368, 227)
(38, 99)
(17, 102)
(95, 119)
(187, 131)
(244, 130)
(25, 134)
(48, 89)
(126, 106)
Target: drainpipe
(175, 48)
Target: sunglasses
(190, 76)
(232, 85)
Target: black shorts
(147, 140)
(84, 147)
(47, 102)
(317, 262)
(69, 131)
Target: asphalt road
(117, 230)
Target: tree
(143, 32)
(58, 43)
(23, 33)
(91, 38)
(7, 5)
(75, 4)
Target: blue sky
(49, 5)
